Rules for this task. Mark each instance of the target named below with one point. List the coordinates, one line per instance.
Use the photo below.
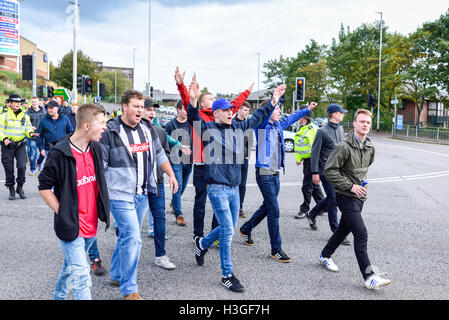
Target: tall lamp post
(380, 71)
(134, 66)
(149, 47)
(258, 78)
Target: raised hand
(186, 150)
(251, 87)
(278, 92)
(312, 105)
(178, 76)
(194, 92)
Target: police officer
(5, 107)
(15, 125)
(303, 148)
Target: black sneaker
(242, 214)
(232, 283)
(300, 215)
(312, 222)
(199, 253)
(246, 238)
(280, 256)
(97, 268)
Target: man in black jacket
(325, 140)
(76, 160)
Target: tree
(63, 73)
(108, 78)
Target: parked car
(289, 139)
(166, 119)
(320, 121)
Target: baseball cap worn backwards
(221, 103)
(332, 108)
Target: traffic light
(88, 84)
(50, 93)
(80, 85)
(102, 90)
(40, 91)
(371, 100)
(151, 92)
(27, 67)
(300, 88)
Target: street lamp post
(149, 47)
(380, 71)
(258, 77)
(75, 54)
(134, 66)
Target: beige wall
(27, 47)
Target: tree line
(414, 67)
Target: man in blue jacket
(223, 173)
(52, 128)
(270, 158)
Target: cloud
(216, 39)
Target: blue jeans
(269, 187)
(157, 211)
(182, 174)
(75, 272)
(125, 257)
(329, 203)
(199, 207)
(93, 251)
(225, 201)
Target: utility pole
(115, 99)
(34, 74)
(149, 48)
(75, 53)
(380, 71)
(258, 77)
(134, 66)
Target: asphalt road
(406, 215)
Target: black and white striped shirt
(137, 141)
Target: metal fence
(427, 134)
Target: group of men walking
(94, 168)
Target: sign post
(9, 28)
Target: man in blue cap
(223, 172)
(326, 139)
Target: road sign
(395, 101)
(400, 122)
(97, 100)
(63, 92)
(9, 28)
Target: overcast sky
(218, 40)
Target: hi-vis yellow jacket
(13, 127)
(303, 141)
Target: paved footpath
(406, 215)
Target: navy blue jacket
(51, 130)
(223, 158)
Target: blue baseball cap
(221, 103)
(335, 108)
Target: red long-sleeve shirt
(206, 115)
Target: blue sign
(9, 27)
(399, 121)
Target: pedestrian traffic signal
(300, 88)
(40, 91)
(80, 85)
(50, 93)
(88, 84)
(151, 92)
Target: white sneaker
(329, 264)
(164, 262)
(376, 282)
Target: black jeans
(9, 153)
(309, 189)
(242, 186)
(351, 221)
(199, 207)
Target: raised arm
(179, 78)
(297, 115)
(238, 102)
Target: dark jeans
(157, 209)
(8, 155)
(269, 186)
(351, 222)
(309, 189)
(329, 202)
(242, 186)
(199, 207)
